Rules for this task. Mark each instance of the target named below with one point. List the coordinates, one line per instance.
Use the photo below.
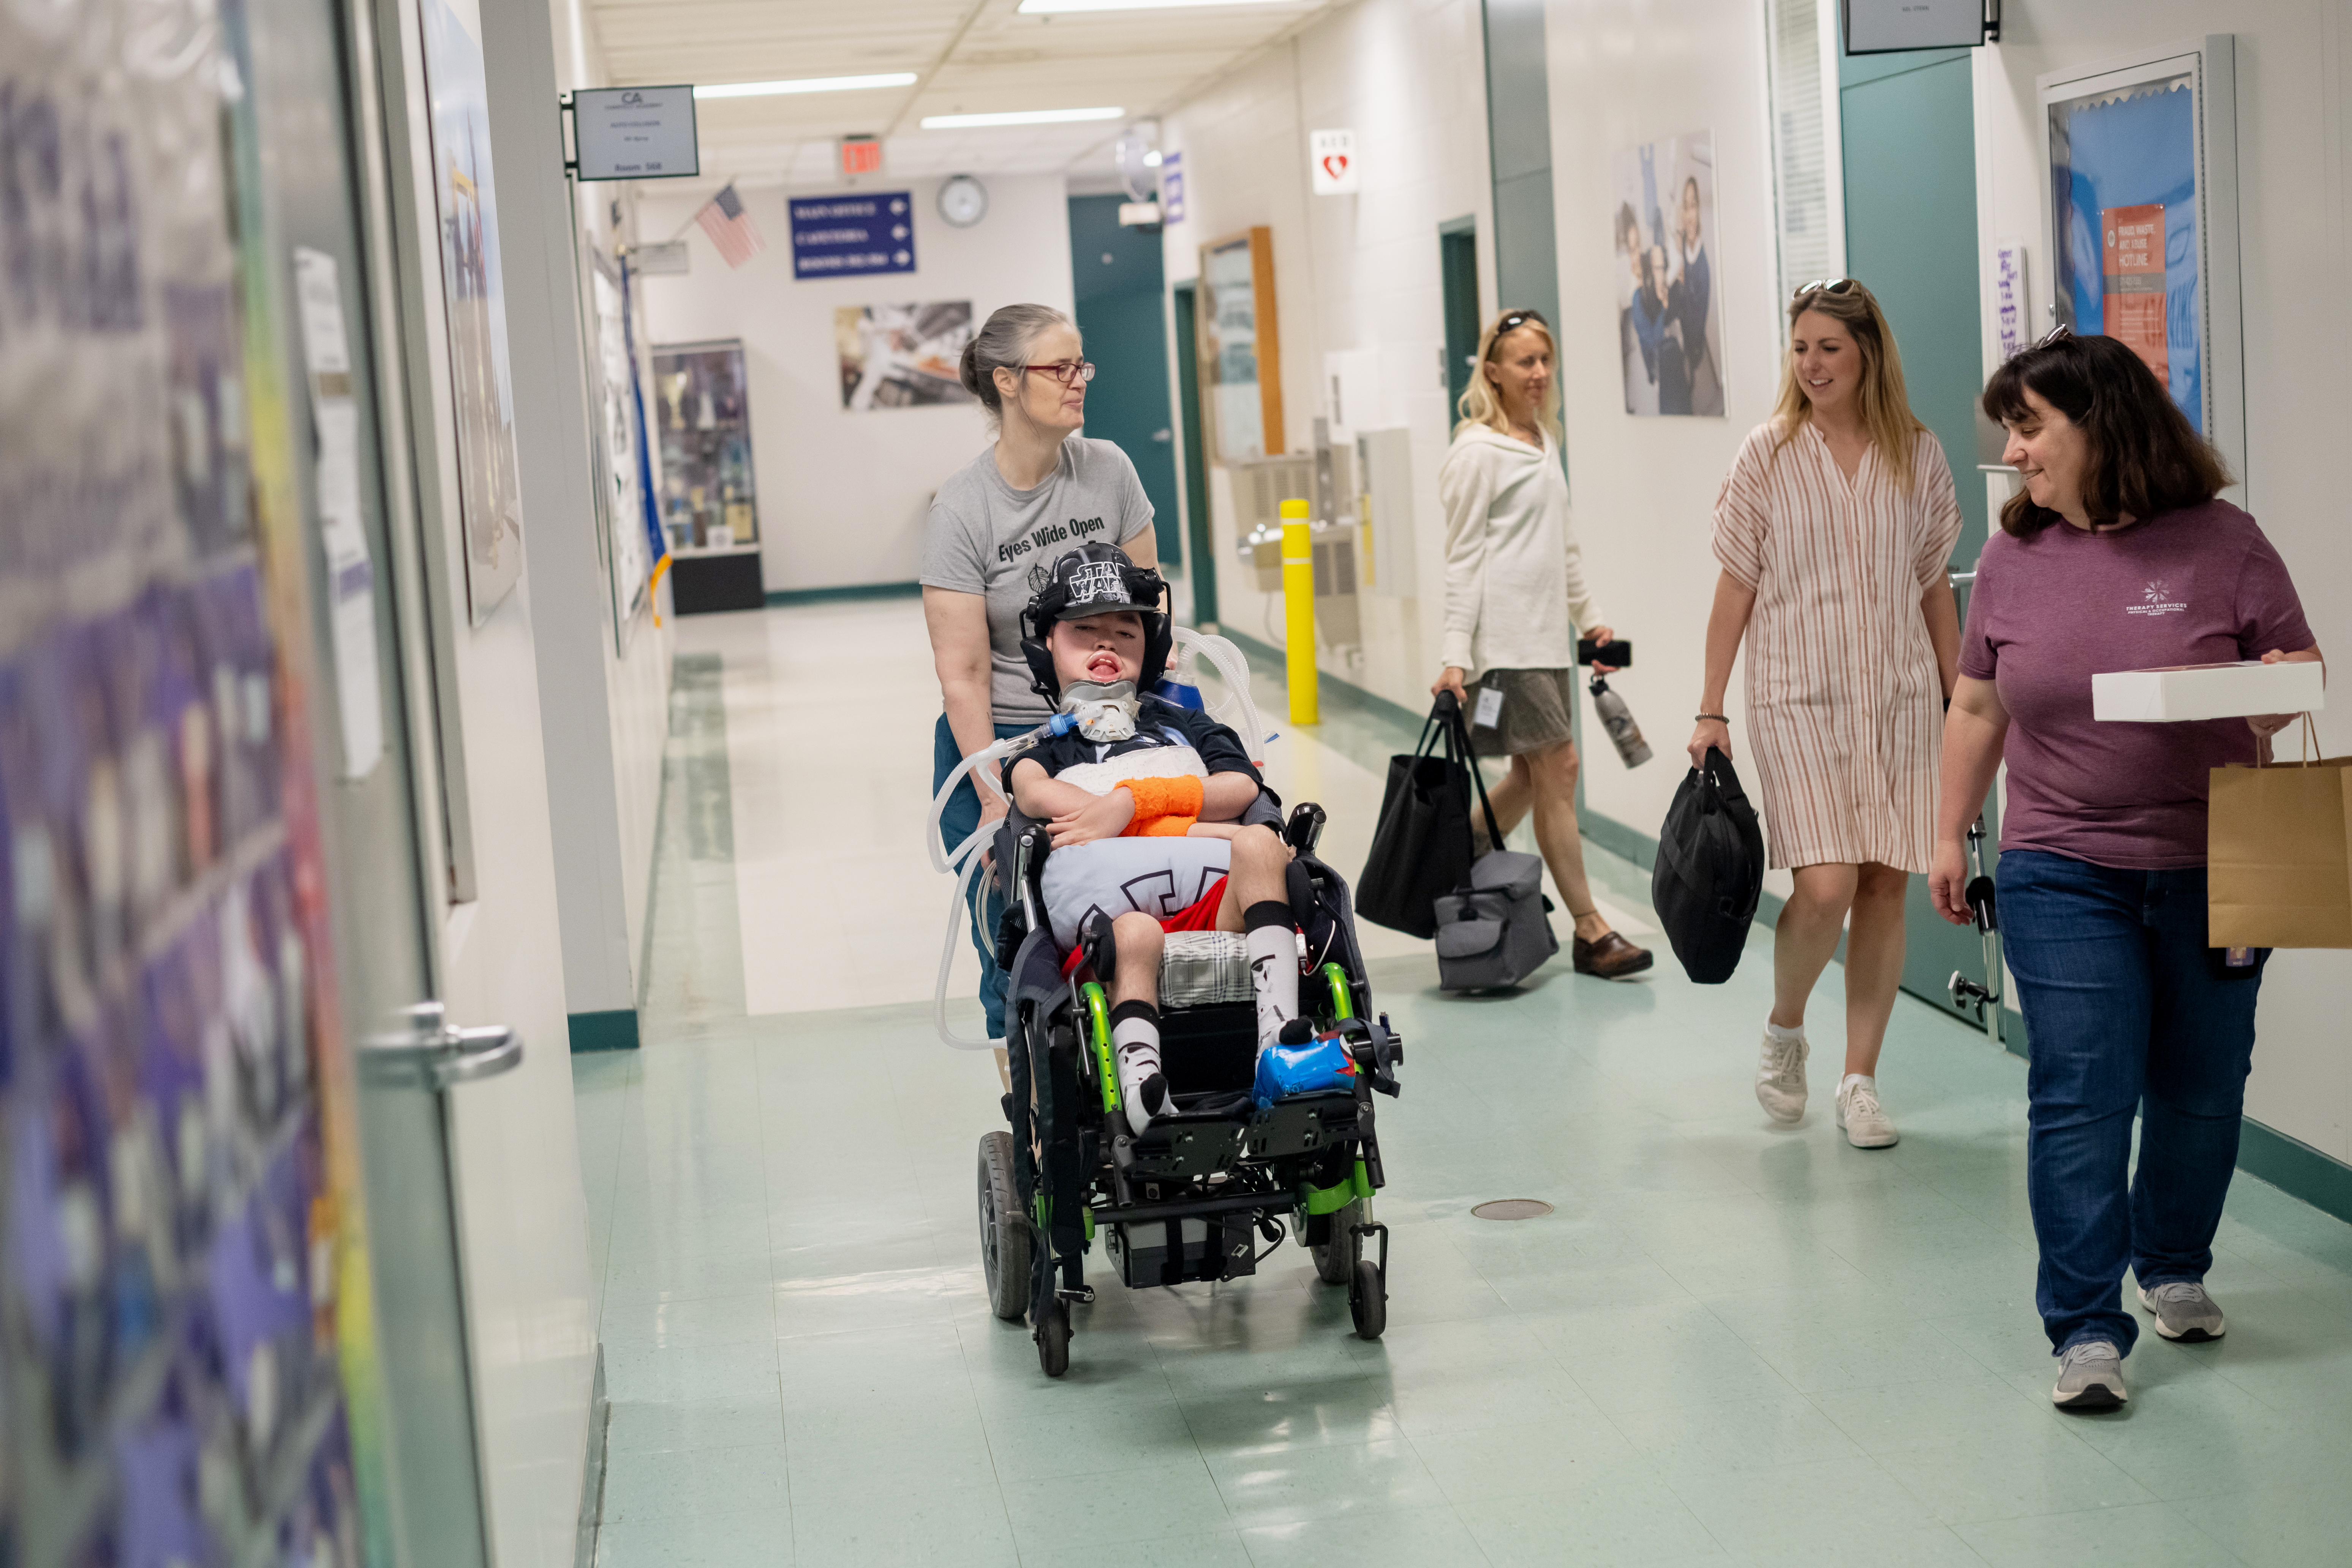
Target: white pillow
(1160, 877)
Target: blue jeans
(2125, 1010)
(957, 823)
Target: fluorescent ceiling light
(806, 84)
(1047, 7)
(1018, 117)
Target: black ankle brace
(1135, 1009)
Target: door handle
(430, 1054)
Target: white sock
(1867, 1080)
(1274, 975)
(1781, 1037)
(1141, 1085)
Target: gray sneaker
(2183, 1311)
(2090, 1377)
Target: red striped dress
(1844, 708)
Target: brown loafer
(1612, 958)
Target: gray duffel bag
(1494, 932)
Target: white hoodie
(1515, 589)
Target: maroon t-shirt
(2201, 586)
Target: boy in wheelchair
(1137, 766)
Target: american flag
(731, 228)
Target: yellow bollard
(1298, 611)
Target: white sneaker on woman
(1866, 1123)
(1780, 1075)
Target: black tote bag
(1709, 872)
(1420, 850)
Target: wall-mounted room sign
(636, 133)
(1885, 26)
(1171, 188)
(1331, 159)
(854, 235)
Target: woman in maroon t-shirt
(2115, 556)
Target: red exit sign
(861, 155)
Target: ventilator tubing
(1238, 713)
(967, 856)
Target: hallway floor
(1732, 1343)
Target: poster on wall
(490, 483)
(902, 356)
(186, 1377)
(622, 505)
(2124, 211)
(1669, 311)
(705, 420)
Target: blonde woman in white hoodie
(1515, 595)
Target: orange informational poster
(2134, 294)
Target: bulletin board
(2143, 221)
(1239, 348)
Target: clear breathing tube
(966, 858)
(1238, 713)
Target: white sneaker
(1866, 1123)
(1780, 1077)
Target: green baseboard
(2295, 1168)
(846, 590)
(615, 1029)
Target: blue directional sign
(854, 235)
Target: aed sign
(636, 133)
(1331, 157)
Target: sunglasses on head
(1825, 285)
(1511, 322)
(2057, 334)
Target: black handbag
(1710, 872)
(1421, 849)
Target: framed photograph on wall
(2143, 221)
(1239, 351)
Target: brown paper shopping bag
(2279, 853)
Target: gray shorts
(1537, 706)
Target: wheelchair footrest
(1180, 1148)
(1301, 1126)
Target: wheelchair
(1192, 1197)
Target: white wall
(1357, 272)
(2294, 187)
(843, 496)
(1625, 72)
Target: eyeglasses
(1826, 286)
(1070, 372)
(2057, 334)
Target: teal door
(1118, 284)
(1457, 272)
(1911, 234)
(1200, 570)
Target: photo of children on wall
(1669, 324)
(902, 356)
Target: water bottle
(1618, 719)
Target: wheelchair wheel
(1335, 1260)
(1054, 1339)
(1005, 1239)
(1368, 1300)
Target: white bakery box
(2189, 691)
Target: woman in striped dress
(1832, 532)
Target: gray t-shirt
(985, 537)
